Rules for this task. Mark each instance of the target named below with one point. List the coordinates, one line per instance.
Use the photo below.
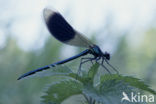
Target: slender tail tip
(20, 78)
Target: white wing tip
(48, 12)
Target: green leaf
(111, 88)
(109, 92)
(82, 79)
(86, 78)
(135, 82)
(58, 91)
(93, 70)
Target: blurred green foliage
(137, 61)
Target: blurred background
(124, 28)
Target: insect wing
(63, 31)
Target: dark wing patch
(63, 31)
(59, 27)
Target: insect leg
(82, 62)
(104, 66)
(112, 66)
